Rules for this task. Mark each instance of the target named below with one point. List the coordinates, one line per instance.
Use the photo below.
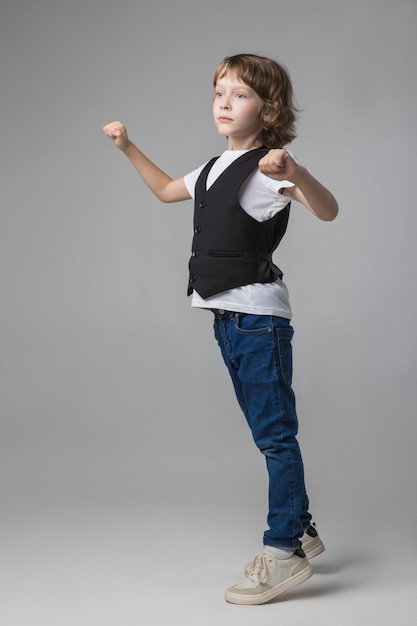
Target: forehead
(231, 77)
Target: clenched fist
(279, 165)
(117, 132)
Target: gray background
(121, 442)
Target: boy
(242, 204)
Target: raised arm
(165, 188)
(279, 165)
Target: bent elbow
(332, 216)
(331, 213)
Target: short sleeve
(191, 179)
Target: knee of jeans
(273, 448)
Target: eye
(218, 94)
(240, 95)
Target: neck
(233, 143)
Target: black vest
(230, 248)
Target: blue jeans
(258, 354)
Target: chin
(222, 133)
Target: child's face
(236, 112)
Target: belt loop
(222, 314)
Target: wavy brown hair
(272, 83)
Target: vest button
(197, 230)
(193, 278)
(195, 253)
(202, 204)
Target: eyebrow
(238, 86)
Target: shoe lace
(258, 569)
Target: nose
(225, 104)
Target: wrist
(128, 148)
(301, 175)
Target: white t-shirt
(259, 197)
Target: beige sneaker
(311, 545)
(269, 577)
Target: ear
(266, 115)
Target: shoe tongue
(300, 552)
(311, 531)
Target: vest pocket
(226, 253)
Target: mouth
(224, 119)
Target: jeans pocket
(249, 324)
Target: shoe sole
(274, 592)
